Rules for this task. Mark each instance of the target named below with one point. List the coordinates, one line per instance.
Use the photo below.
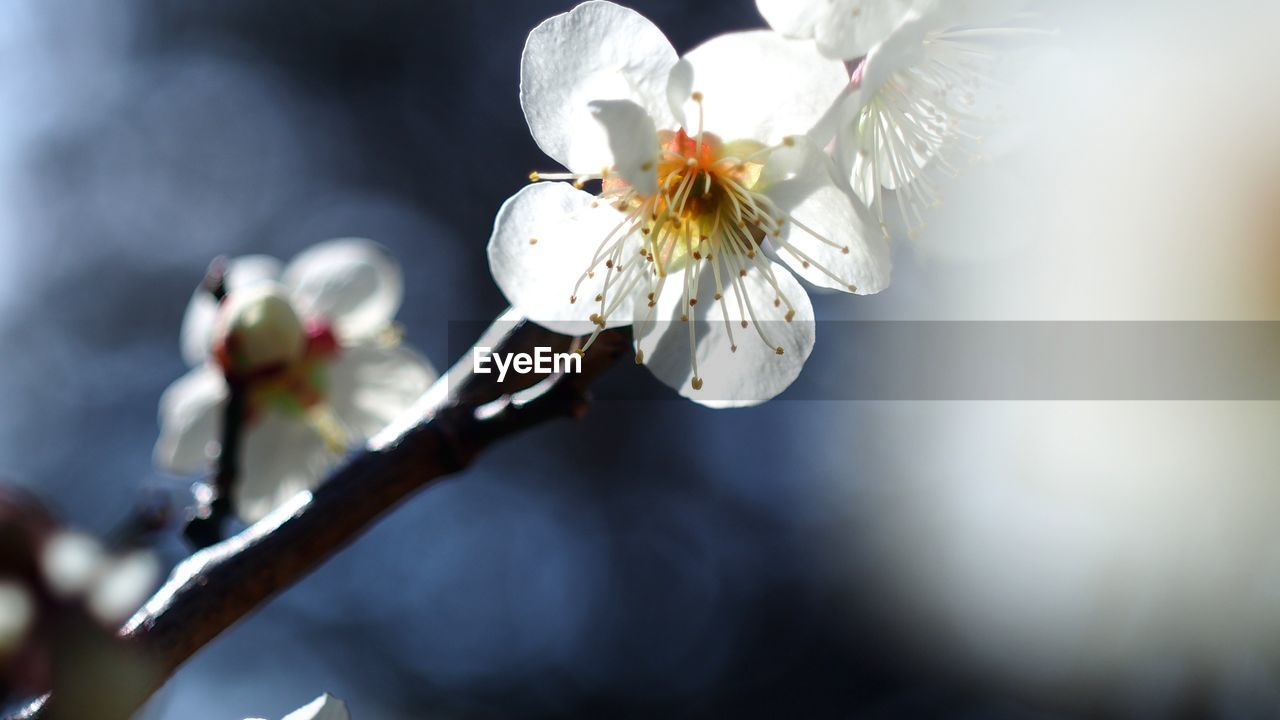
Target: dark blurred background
(658, 561)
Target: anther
(697, 383)
(534, 177)
(639, 357)
(533, 241)
(573, 299)
(779, 351)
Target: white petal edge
(842, 29)
(794, 18)
(633, 140)
(759, 85)
(282, 456)
(325, 707)
(825, 220)
(370, 385)
(596, 51)
(202, 311)
(543, 241)
(351, 282)
(190, 421)
(853, 27)
(755, 373)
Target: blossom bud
(259, 332)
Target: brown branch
(459, 417)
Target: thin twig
(208, 517)
(459, 417)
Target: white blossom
(709, 199)
(77, 568)
(913, 111)
(315, 346)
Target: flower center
(710, 209)
(280, 360)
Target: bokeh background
(803, 559)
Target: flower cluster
(722, 178)
(720, 181)
(698, 196)
(61, 593)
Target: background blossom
(349, 292)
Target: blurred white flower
(915, 102)
(77, 567)
(17, 611)
(315, 347)
(843, 29)
(325, 707)
(700, 168)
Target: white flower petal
(351, 282)
(597, 51)
(17, 612)
(71, 562)
(831, 239)
(202, 310)
(795, 18)
(633, 139)
(902, 48)
(759, 85)
(755, 372)
(325, 707)
(843, 29)
(543, 242)
(653, 324)
(125, 584)
(190, 421)
(679, 88)
(369, 385)
(281, 456)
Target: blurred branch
(458, 418)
